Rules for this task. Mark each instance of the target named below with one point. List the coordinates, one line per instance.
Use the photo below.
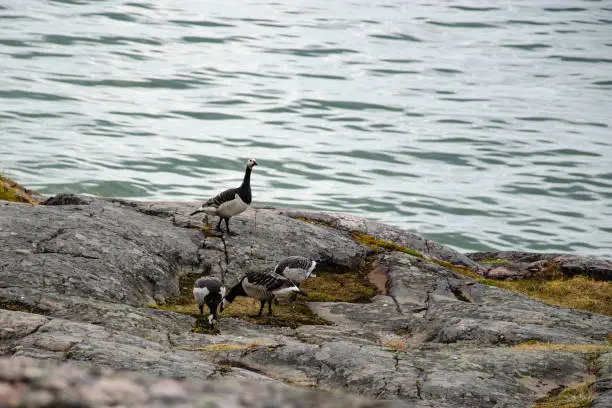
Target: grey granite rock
(386, 232)
(454, 309)
(603, 384)
(523, 265)
(36, 384)
(79, 272)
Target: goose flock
(284, 279)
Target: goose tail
(203, 209)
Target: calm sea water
(480, 124)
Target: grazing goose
(296, 268)
(261, 286)
(211, 291)
(230, 202)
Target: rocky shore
(100, 289)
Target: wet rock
(67, 199)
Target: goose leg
(201, 309)
(263, 303)
(227, 227)
(269, 307)
(213, 313)
(219, 224)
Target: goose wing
(293, 262)
(270, 281)
(211, 283)
(224, 197)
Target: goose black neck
(237, 290)
(246, 182)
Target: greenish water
(480, 124)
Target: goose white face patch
(211, 319)
(311, 273)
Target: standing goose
(261, 286)
(210, 291)
(231, 202)
(296, 268)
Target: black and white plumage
(230, 202)
(296, 268)
(210, 291)
(263, 286)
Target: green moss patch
(216, 348)
(185, 303)
(207, 229)
(317, 222)
(379, 245)
(203, 327)
(578, 348)
(351, 287)
(495, 261)
(11, 191)
(286, 313)
(579, 395)
(18, 306)
(330, 285)
(578, 292)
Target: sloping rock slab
(603, 384)
(525, 265)
(261, 238)
(86, 268)
(60, 339)
(33, 383)
(386, 232)
(100, 250)
(456, 309)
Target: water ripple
(481, 125)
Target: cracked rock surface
(77, 274)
